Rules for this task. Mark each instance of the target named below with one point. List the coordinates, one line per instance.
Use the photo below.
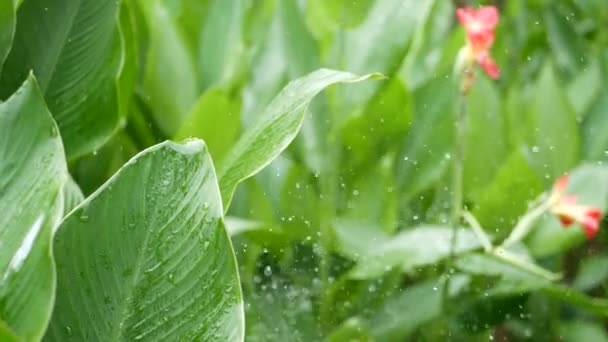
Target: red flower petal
(466, 16)
(560, 185)
(591, 222)
(488, 64)
(488, 15)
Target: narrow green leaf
(170, 86)
(276, 128)
(221, 46)
(147, 256)
(33, 169)
(564, 41)
(74, 49)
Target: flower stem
(524, 225)
(524, 265)
(457, 171)
(457, 180)
(483, 238)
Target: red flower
(480, 27)
(568, 211)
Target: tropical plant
(303, 170)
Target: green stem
(483, 238)
(518, 262)
(524, 225)
(457, 187)
(457, 171)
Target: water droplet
(268, 271)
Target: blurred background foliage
(344, 237)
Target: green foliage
(34, 173)
(335, 190)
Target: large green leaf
(33, 172)
(7, 28)
(276, 128)
(74, 49)
(147, 255)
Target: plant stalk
(457, 183)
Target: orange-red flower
(568, 211)
(479, 25)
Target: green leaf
(590, 184)
(426, 152)
(595, 143)
(352, 330)
(214, 118)
(74, 49)
(430, 39)
(402, 313)
(33, 169)
(386, 119)
(515, 281)
(276, 128)
(511, 280)
(576, 331)
(148, 256)
(484, 123)
(564, 41)
(344, 13)
(72, 196)
(6, 334)
(378, 44)
(499, 204)
(170, 85)
(221, 47)
(376, 252)
(593, 272)
(7, 28)
(554, 129)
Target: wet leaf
(148, 256)
(33, 169)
